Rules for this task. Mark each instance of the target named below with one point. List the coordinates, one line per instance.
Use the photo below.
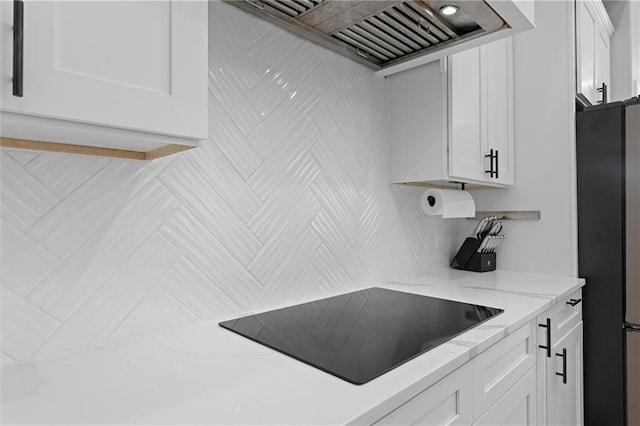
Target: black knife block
(469, 259)
(481, 262)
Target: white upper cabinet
(497, 69)
(138, 68)
(593, 57)
(465, 127)
(452, 121)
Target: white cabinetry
(564, 380)
(560, 373)
(501, 366)
(480, 124)
(448, 402)
(496, 387)
(593, 34)
(517, 381)
(452, 121)
(129, 76)
(516, 407)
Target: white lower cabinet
(560, 374)
(470, 393)
(564, 380)
(517, 406)
(513, 382)
(498, 368)
(448, 402)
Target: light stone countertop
(203, 374)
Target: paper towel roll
(449, 203)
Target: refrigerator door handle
(630, 326)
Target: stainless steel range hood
(383, 34)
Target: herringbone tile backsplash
(287, 199)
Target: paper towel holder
(508, 215)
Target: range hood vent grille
(395, 32)
(378, 33)
(293, 8)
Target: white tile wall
(287, 198)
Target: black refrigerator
(608, 184)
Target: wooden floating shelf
(451, 185)
(163, 151)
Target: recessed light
(448, 9)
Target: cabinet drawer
(501, 366)
(563, 317)
(448, 402)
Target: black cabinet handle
(573, 302)
(492, 156)
(497, 166)
(564, 365)
(18, 46)
(548, 346)
(603, 89)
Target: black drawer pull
(564, 365)
(548, 346)
(18, 43)
(573, 302)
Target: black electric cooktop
(359, 336)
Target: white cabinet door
(585, 50)
(497, 369)
(481, 114)
(564, 380)
(467, 139)
(560, 328)
(496, 61)
(593, 33)
(448, 402)
(137, 65)
(602, 57)
(517, 407)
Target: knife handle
(476, 231)
(482, 246)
